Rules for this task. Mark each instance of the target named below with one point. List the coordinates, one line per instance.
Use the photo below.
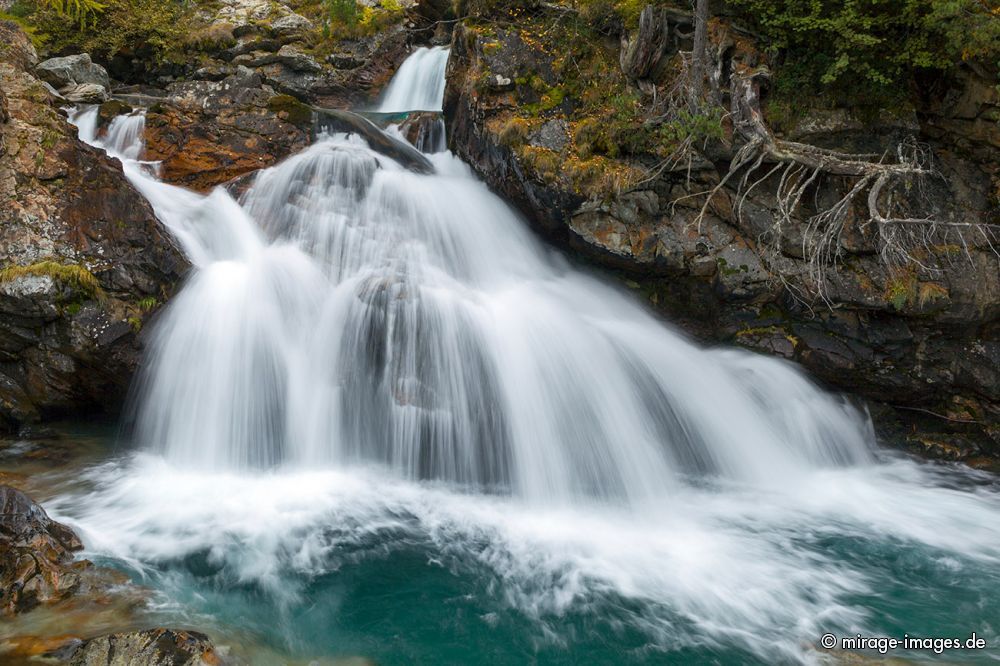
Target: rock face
(83, 261)
(926, 342)
(36, 555)
(154, 647)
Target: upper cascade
(419, 83)
(349, 311)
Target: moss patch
(73, 276)
(290, 109)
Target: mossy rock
(77, 278)
(112, 109)
(291, 110)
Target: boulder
(296, 60)
(152, 647)
(85, 93)
(291, 25)
(206, 133)
(73, 70)
(36, 555)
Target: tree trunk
(700, 54)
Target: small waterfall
(419, 83)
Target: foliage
(348, 19)
(123, 27)
(76, 277)
(871, 47)
(343, 11)
(81, 11)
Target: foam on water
(363, 353)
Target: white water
(419, 83)
(352, 331)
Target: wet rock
(332, 120)
(153, 647)
(206, 133)
(425, 131)
(112, 109)
(36, 555)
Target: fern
(84, 11)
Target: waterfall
(348, 311)
(375, 379)
(419, 83)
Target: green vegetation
(147, 304)
(73, 276)
(866, 52)
(348, 19)
(154, 29)
(81, 11)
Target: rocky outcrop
(36, 555)
(83, 261)
(559, 131)
(293, 56)
(153, 647)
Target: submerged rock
(153, 647)
(36, 555)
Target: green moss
(759, 331)
(514, 132)
(73, 276)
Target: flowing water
(381, 419)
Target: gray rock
(298, 61)
(85, 93)
(553, 135)
(71, 71)
(291, 25)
